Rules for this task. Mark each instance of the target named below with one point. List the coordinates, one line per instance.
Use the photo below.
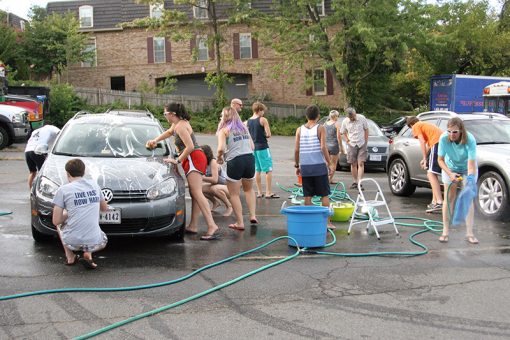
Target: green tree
(9, 47)
(359, 42)
(53, 42)
(178, 26)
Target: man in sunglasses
(237, 104)
(428, 134)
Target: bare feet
(228, 211)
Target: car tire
(4, 138)
(492, 198)
(399, 179)
(40, 237)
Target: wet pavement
(457, 290)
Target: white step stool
(362, 203)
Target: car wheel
(399, 179)
(492, 200)
(4, 138)
(40, 237)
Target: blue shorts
(263, 160)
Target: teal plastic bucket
(308, 225)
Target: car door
(410, 148)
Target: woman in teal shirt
(457, 159)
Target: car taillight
(390, 141)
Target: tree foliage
(53, 42)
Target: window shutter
(211, 52)
(168, 51)
(309, 91)
(254, 48)
(237, 48)
(329, 82)
(150, 50)
(192, 44)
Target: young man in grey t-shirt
(77, 204)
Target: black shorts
(34, 161)
(316, 186)
(241, 167)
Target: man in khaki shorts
(355, 131)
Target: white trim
(200, 12)
(156, 61)
(156, 9)
(248, 35)
(325, 91)
(83, 12)
(92, 41)
(202, 39)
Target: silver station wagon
(145, 195)
(492, 134)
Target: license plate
(376, 158)
(111, 216)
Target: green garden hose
(336, 195)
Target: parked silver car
(377, 149)
(492, 133)
(146, 195)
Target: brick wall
(124, 53)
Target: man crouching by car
(76, 215)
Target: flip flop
(75, 261)
(472, 239)
(331, 227)
(254, 221)
(443, 238)
(235, 227)
(272, 196)
(191, 232)
(206, 237)
(260, 196)
(88, 264)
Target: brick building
(126, 57)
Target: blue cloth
(464, 201)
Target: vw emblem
(375, 149)
(107, 194)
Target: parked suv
(492, 134)
(14, 125)
(145, 194)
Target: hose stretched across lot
(3, 213)
(426, 225)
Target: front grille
(380, 149)
(128, 225)
(129, 196)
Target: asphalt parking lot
(455, 291)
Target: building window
(159, 50)
(118, 83)
(203, 50)
(245, 45)
(319, 82)
(22, 25)
(86, 16)
(200, 10)
(90, 54)
(156, 11)
(320, 8)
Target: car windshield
(489, 131)
(104, 140)
(373, 129)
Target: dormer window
(200, 9)
(156, 11)
(86, 16)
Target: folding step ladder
(368, 207)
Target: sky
(22, 7)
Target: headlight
(46, 189)
(17, 118)
(162, 190)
